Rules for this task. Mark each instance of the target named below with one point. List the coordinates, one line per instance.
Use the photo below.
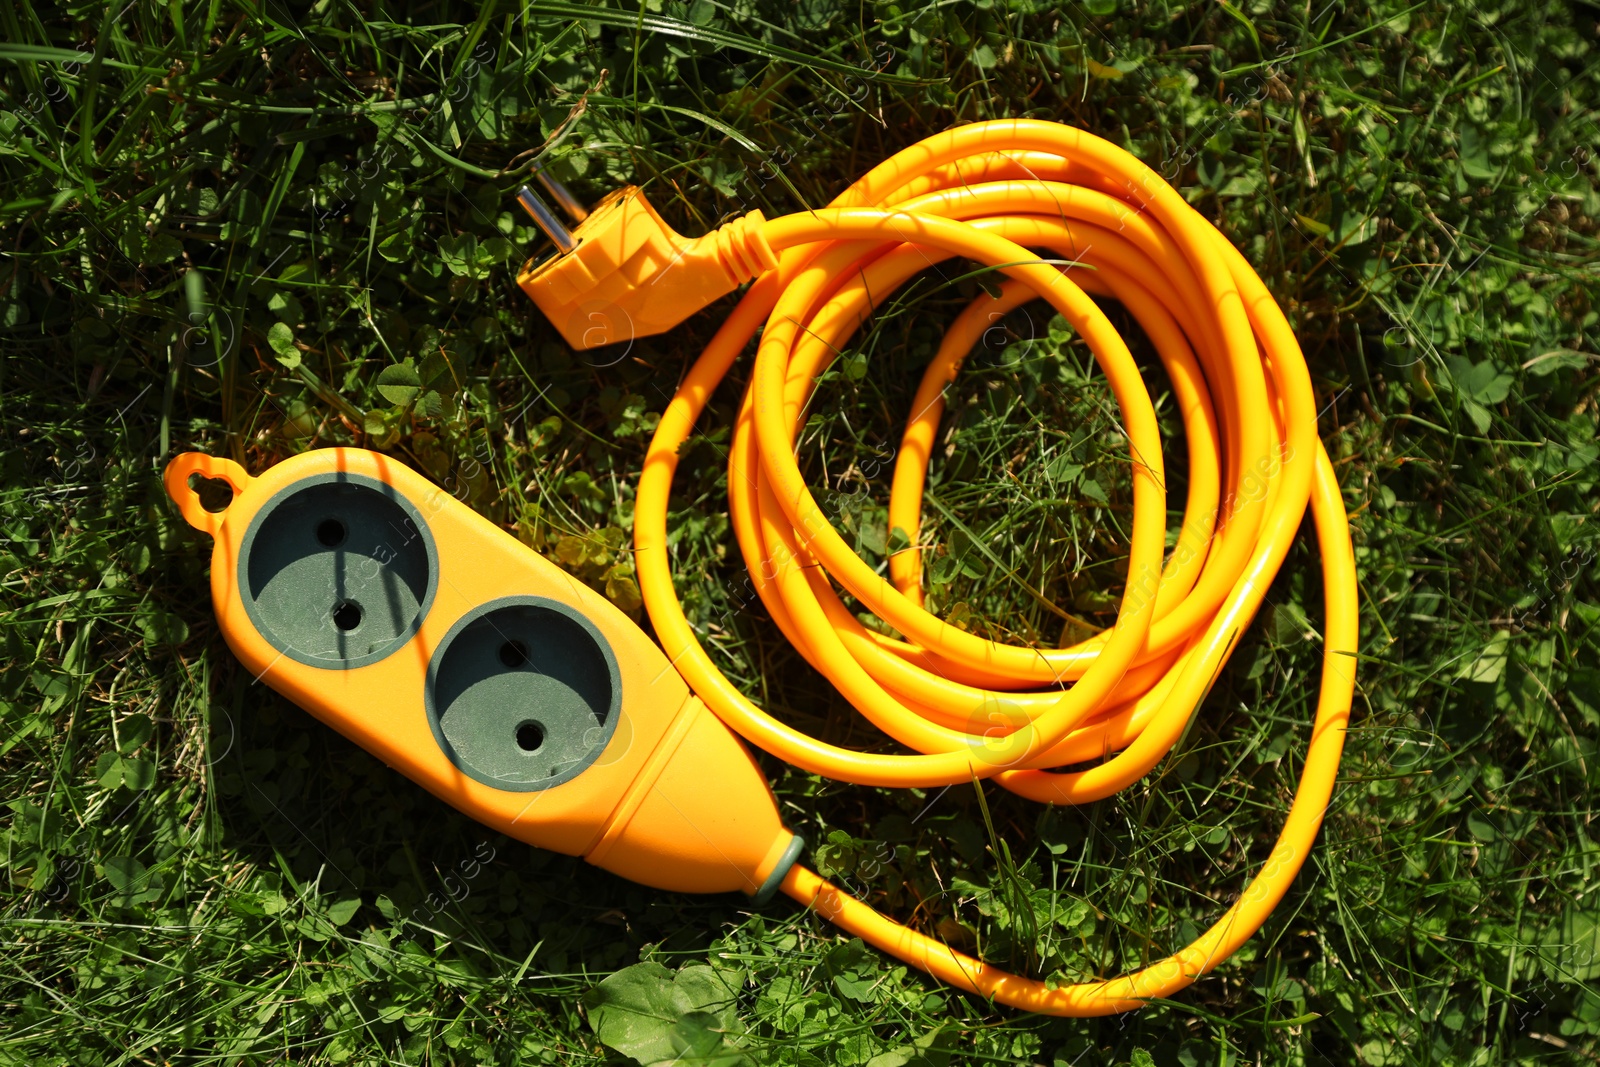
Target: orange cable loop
(970, 708)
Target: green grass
(221, 222)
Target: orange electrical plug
(624, 273)
(464, 660)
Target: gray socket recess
(338, 570)
(523, 693)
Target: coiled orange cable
(969, 708)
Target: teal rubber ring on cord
(769, 888)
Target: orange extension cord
(970, 708)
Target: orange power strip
(440, 644)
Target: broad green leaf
(1321, 229)
(1353, 228)
(1557, 359)
(244, 904)
(874, 535)
(465, 257)
(1241, 185)
(286, 306)
(1478, 385)
(399, 384)
(123, 872)
(1474, 153)
(108, 771)
(342, 911)
(458, 252)
(697, 1040)
(162, 627)
(50, 686)
(633, 1011)
(91, 328)
(162, 248)
(1490, 663)
(132, 882)
(1063, 470)
(281, 338)
(396, 247)
(623, 591)
(1481, 417)
(1571, 952)
(849, 985)
(134, 731)
(138, 774)
(1483, 381)
(898, 1057)
(302, 272)
(497, 250)
(1102, 70)
(657, 1016)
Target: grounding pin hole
(530, 735)
(514, 654)
(346, 615)
(214, 493)
(331, 532)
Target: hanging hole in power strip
(214, 493)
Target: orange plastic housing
(673, 800)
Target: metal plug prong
(546, 220)
(561, 195)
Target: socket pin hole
(331, 532)
(347, 615)
(514, 654)
(530, 735)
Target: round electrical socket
(523, 693)
(337, 571)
